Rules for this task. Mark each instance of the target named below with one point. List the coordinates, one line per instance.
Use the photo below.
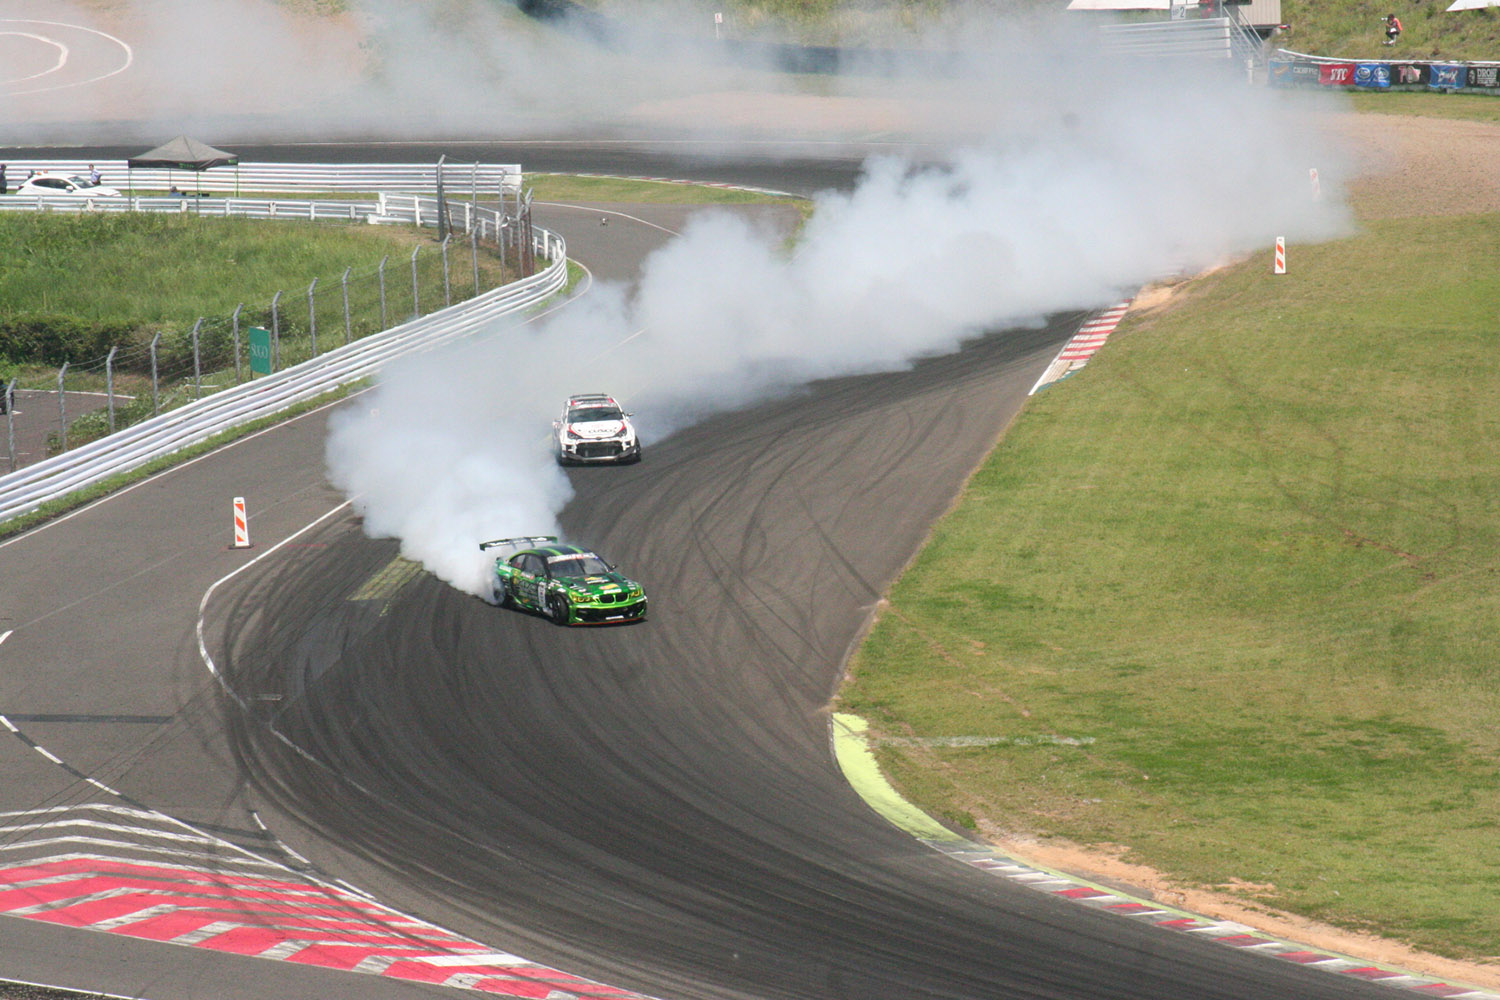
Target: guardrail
(26, 489)
(458, 178)
(55, 477)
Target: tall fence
(485, 248)
(479, 180)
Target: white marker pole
(1317, 189)
(241, 525)
(1280, 255)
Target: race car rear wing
(516, 542)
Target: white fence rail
(461, 179)
(52, 478)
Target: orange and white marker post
(1312, 175)
(1280, 255)
(241, 525)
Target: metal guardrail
(49, 479)
(460, 179)
(52, 478)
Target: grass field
(1249, 560)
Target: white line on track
(62, 55)
(129, 55)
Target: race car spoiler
(516, 542)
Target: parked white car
(594, 428)
(58, 185)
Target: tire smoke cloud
(1091, 178)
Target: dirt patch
(1423, 166)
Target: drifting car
(58, 185)
(594, 428)
(569, 584)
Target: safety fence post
(416, 304)
(276, 332)
(447, 288)
(155, 387)
(109, 384)
(312, 317)
(348, 326)
(383, 324)
(62, 407)
(10, 421)
(197, 363)
(237, 342)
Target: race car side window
(536, 565)
(519, 561)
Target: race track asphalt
(653, 806)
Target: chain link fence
(88, 399)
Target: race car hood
(598, 585)
(598, 428)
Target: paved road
(654, 807)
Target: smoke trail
(1083, 197)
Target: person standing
(94, 176)
(4, 185)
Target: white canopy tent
(1472, 4)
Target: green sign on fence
(260, 351)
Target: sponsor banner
(1445, 77)
(1336, 74)
(1410, 74)
(1288, 73)
(1487, 77)
(1375, 76)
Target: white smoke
(1080, 194)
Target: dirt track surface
(1423, 166)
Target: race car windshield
(579, 565)
(595, 413)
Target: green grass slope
(1230, 597)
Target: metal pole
(237, 342)
(447, 288)
(474, 255)
(416, 304)
(62, 407)
(382, 290)
(442, 221)
(10, 421)
(197, 363)
(155, 395)
(109, 384)
(348, 326)
(312, 317)
(276, 331)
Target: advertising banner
(1336, 74)
(260, 351)
(1446, 77)
(1409, 74)
(1487, 77)
(1376, 76)
(1290, 73)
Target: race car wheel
(557, 609)
(502, 594)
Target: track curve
(655, 806)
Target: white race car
(594, 428)
(60, 186)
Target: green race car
(567, 583)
